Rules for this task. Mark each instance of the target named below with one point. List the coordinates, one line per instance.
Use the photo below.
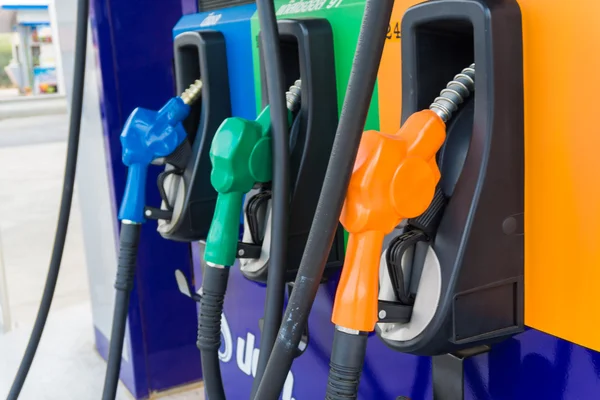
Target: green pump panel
(345, 17)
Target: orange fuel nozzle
(394, 178)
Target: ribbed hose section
(346, 365)
(128, 247)
(214, 286)
(455, 93)
(293, 96)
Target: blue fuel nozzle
(146, 136)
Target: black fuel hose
(325, 223)
(65, 202)
(280, 202)
(346, 365)
(129, 239)
(214, 286)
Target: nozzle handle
(394, 178)
(134, 198)
(221, 242)
(359, 283)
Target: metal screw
(241, 252)
(148, 213)
(382, 314)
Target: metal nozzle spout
(192, 93)
(293, 96)
(455, 93)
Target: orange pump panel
(390, 71)
(562, 162)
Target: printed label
(394, 32)
(211, 19)
(303, 6)
(246, 356)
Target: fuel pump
(457, 269)
(190, 194)
(357, 309)
(229, 162)
(465, 289)
(307, 48)
(394, 178)
(407, 169)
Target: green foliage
(5, 57)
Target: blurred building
(35, 66)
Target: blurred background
(33, 132)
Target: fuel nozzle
(241, 157)
(394, 178)
(146, 136)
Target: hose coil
(454, 94)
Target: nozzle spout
(192, 93)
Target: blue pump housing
(234, 24)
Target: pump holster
(464, 277)
(307, 53)
(188, 196)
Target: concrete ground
(32, 152)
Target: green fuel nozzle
(241, 157)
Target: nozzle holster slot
(248, 250)
(199, 55)
(308, 54)
(391, 311)
(482, 166)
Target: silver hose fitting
(293, 96)
(455, 93)
(192, 93)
